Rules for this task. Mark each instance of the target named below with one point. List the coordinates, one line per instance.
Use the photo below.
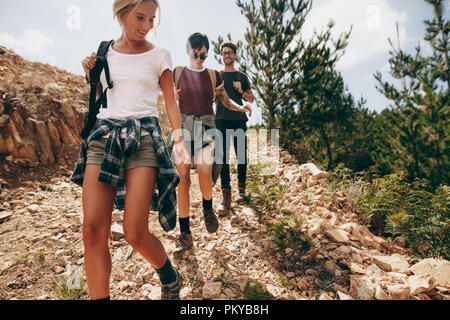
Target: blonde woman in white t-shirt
(138, 69)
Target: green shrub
(63, 292)
(426, 224)
(265, 191)
(254, 291)
(394, 207)
(287, 234)
(352, 184)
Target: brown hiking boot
(211, 222)
(224, 208)
(183, 243)
(242, 196)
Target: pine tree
(271, 54)
(421, 108)
(325, 106)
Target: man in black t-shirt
(233, 125)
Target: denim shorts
(145, 157)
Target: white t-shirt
(136, 83)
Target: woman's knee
(134, 236)
(95, 235)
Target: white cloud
(373, 23)
(31, 45)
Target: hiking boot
(171, 291)
(183, 243)
(224, 208)
(242, 196)
(211, 222)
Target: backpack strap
(102, 63)
(94, 75)
(213, 77)
(178, 72)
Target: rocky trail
(42, 250)
(252, 256)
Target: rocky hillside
(41, 112)
(42, 109)
(338, 258)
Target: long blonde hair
(120, 7)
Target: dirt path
(42, 245)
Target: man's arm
(222, 95)
(248, 96)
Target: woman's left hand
(182, 157)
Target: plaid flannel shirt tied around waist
(112, 170)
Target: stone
(124, 285)
(242, 283)
(290, 275)
(117, 232)
(287, 210)
(439, 270)
(380, 294)
(419, 284)
(398, 291)
(211, 290)
(343, 296)
(288, 251)
(315, 229)
(395, 262)
(34, 208)
(339, 236)
(362, 287)
(399, 241)
(311, 272)
(273, 290)
(325, 296)
(356, 268)
(349, 227)
(4, 120)
(314, 171)
(5, 216)
(57, 269)
(330, 266)
(229, 293)
(381, 241)
(304, 283)
(369, 242)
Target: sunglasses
(202, 56)
(227, 53)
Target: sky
(63, 32)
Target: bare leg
(204, 170)
(140, 183)
(183, 191)
(98, 202)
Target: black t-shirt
(223, 113)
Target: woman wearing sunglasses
(197, 88)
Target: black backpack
(94, 105)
